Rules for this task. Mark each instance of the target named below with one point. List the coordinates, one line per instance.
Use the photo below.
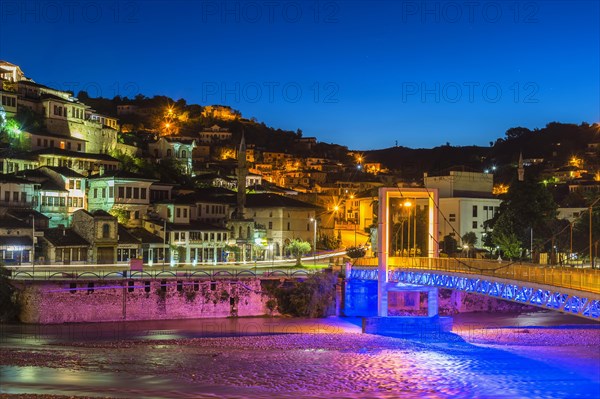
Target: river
(537, 355)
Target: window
(143, 193)
(111, 192)
(127, 192)
(288, 226)
(106, 230)
(58, 252)
(178, 212)
(103, 192)
(185, 212)
(71, 184)
(23, 197)
(452, 217)
(176, 236)
(95, 193)
(474, 224)
(270, 225)
(474, 211)
(183, 154)
(15, 196)
(136, 192)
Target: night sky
(362, 74)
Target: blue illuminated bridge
(570, 290)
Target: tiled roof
(144, 236)
(9, 222)
(194, 226)
(61, 237)
(21, 241)
(13, 179)
(63, 170)
(125, 237)
(109, 174)
(74, 154)
(275, 201)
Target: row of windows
(214, 209)
(76, 202)
(486, 208)
(50, 143)
(198, 236)
(77, 164)
(122, 192)
(125, 254)
(9, 101)
(15, 196)
(131, 192)
(60, 110)
(74, 184)
(70, 254)
(53, 201)
(76, 112)
(14, 167)
(182, 154)
(178, 212)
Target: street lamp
(591, 254)
(314, 220)
(407, 204)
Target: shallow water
(301, 358)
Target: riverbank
(309, 358)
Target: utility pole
(33, 243)
(591, 253)
(591, 240)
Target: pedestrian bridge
(570, 290)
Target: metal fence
(587, 280)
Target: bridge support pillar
(432, 302)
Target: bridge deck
(586, 280)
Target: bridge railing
(578, 279)
(96, 272)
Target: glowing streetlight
(314, 220)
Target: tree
(356, 253)
(527, 205)
(9, 307)
(516, 132)
(298, 248)
(314, 297)
(509, 244)
(469, 239)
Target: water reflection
(168, 359)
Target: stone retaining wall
(83, 301)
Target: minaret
(521, 169)
(242, 172)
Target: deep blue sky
(368, 73)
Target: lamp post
(591, 240)
(314, 220)
(164, 243)
(408, 205)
